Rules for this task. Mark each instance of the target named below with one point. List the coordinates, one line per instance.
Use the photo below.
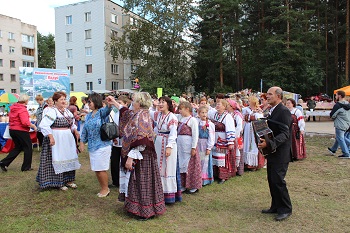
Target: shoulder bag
(108, 130)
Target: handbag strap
(102, 120)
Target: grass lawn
(319, 188)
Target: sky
(40, 13)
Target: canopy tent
(345, 89)
(78, 95)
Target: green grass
(319, 188)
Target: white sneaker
(183, 189)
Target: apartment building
(18, 47)
(82, 31)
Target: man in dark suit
(279, 154)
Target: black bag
(108, 130)
(297, 135)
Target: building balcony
(28, 58)
(28, 45)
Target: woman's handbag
(108, 130)
(7, 133)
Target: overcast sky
(40, 13)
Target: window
(69, 53)
(115, 85)
(68, 20)
(28, 64)
(89, 86)
(28, 51)
(87, 16)
(89, 68)
(13, 90)
(114, 34)
(0, 48)
(114, 18)
(133, 68)
(13, 78)
(68, 37)
(1, 64)
(1, 77)
(11, 35)
(87, 34)
(115, 69)
(71, 86)
(12, 64)
(11, 49)
(27, 38)
(88, 51)
(70, 68)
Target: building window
(71, 86)
(12, 64)
(115, 85)
(13, 78)
(27, 38)
(114, 18)
(0, 48)
(1, 63)
(11, 49)
(13, 90)
(89, 86)
(11, 35)
(88, 51)
(87, 34)
(68, 20)
(68, 37)
(1, 77)
(89, 68)
(87, 16)
(114, 34)
(28, 64)
(114, 69)
(69, 53)
(28, 52)
(70, 68)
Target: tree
(156, 41)
(46, 51)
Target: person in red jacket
(19, 125)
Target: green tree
(46, 51)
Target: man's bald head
(274, 96)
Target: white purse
(7, 133)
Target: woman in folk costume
(298, 129)
(252, 157)
(224, 155)
(166, 148)
(206, 139)
(187, 139)
(234, 109)
(144, 197)
(59, 158)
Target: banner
(35, 81)
(159, 92)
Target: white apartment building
(82, 31)
(18, 47)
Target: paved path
(320, 127)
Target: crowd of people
(166, 147)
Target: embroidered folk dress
(224, 160)
(206, 141)
(59, 162)
(250, 148)
(238, 118)
(166, 135)
(190, 166)
(298, 144)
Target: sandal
(72, 185)
(64, 188)
(103, 195)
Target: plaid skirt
(193, 178)
(224, 173)
(145, 192)
(46, 176)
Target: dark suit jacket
(281, 144)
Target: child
(189, 160)
(205, 144)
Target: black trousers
(22, 143)
(278, 187)
(115, 164)
(40, 137)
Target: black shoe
(30, 169)
(3, 167)
(344, 157)
(281, 217)
(331, 151)
(144, 219)
(269, 211)
(221, 181)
